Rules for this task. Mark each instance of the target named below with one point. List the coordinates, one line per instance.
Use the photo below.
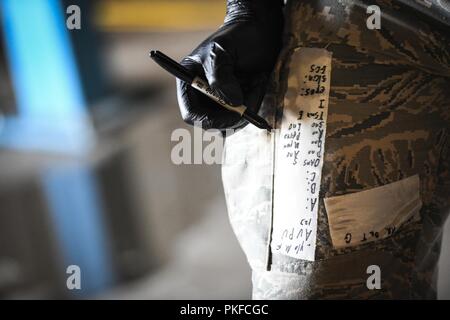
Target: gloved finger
(198, 109)
(255, 90)
(218, 65)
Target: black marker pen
(183, 74)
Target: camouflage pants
(388, 119)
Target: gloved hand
(236, 61)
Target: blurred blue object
(52, 117)
(51, 107)
(74, 201)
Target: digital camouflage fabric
(388, 119)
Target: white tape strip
(373, 214)
(299, 154)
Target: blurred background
(85, 171)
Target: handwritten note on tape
(373, 214)
(299, 154)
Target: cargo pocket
(374, 214)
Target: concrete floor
(206, 263)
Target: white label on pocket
(373, 214)
(299, 154)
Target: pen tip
(153, 53)
(267, 126)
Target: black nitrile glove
(236, 60)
